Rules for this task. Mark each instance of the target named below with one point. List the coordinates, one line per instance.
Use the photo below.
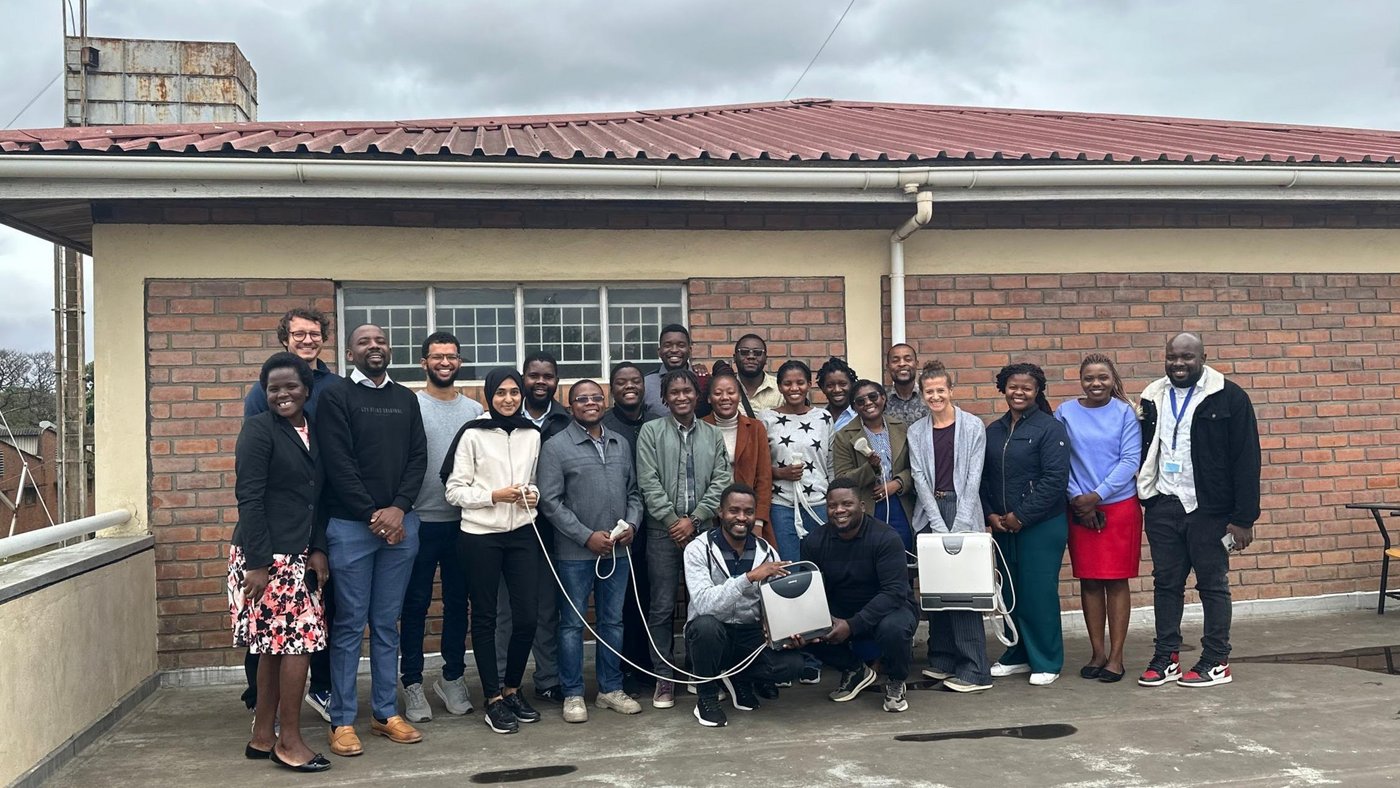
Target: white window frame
(430, 303)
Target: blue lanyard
(1177, 414)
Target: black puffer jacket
(1027, 467)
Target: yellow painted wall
(127, 255)
(87, 642)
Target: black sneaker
(852, 682)
(811, 675)
(500, 718)
(709, 713)
(741, 692)
(553, 694)
(523, 711)
(766, 690)
(894, 696)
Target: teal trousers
(1031, 559)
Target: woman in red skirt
(1105, 534)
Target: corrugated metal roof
(803, 130)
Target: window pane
(635, 318)
(402, 313)
(483, 320)
(566, 322)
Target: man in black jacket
(1200, 485)
(867, 588)
(375, 454)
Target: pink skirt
(287, 620)
(1114, 552)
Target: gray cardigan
(969, 452)
(581, 493)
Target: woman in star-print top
(799, 438)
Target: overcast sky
(1325, 63)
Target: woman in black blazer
(278, 559)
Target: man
(760, 389)
(682, 466)
(1199, 485)
(867, 588)
(444, 411)
(375, 453)
(541, 374)
(587, 486)
(673, 349)
(302, 331)
(723, 570)
(906, 402)
(626, 417)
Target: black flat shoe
(318, 763)
(1090, 672)
(1108, 677)
(254, 754)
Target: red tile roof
(804, 130)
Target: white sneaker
(415, 704)
(1000, 671)
(454, 695)
(575, 710)
(1043, 679)
(618, 701)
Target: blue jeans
(371, 577)
(580, 579)
(437, 546)
(785, 528)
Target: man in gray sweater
(587, 488)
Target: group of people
(355, 492)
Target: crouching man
(723, 569)
(867, 588)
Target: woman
(835, 379)
(874, 452)
(278, 560)
(946, 451)
(491, 479)
(799, 438)
(1023, 483)
(1105, 539)
(746, 442)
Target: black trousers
(636, 647)
(714, 647)
(1181, 543)
(893, 637)
(320, 660)
(487, 559)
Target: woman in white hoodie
(491, 477)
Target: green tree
(27, 387)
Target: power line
(819, 50)
(37, 96)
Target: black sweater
(278, 483)
(372, 447)
(866, 578)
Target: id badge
(1171, 465)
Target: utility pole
(69, 332)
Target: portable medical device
(956, 572)
(795, 605)
(618, 530)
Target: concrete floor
(1277, 724)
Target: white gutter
(923, 212)
(25, 176)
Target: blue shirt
(321, 377)
(1105, 444)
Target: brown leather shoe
(344, 742)
(396, 729)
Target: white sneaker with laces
(415, 704)
(1000, 671)
(454, 695)
(1043, 679)
(618, 701)
(575, 710)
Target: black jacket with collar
(278, 489)
(1027, 467)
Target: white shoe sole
(958, 687)
(865, 681)
(706, 722)
(729, 685)
(936, 675)
(1000, 671)
(603, 704)
(903, 706)
(1043, 679)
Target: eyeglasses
(439, 357)
(300, 335)
(871, 398)
(750, 352)
(594, 399)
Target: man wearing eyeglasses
(445, 410)
(302, 331)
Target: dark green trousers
(1032, 562)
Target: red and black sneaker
(1207, 673)
(1162, 669)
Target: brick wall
(206, 340)
(1314, 352)
(803, 318)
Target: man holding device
(724, 568)
(1199, 483)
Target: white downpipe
(32, 540)
(923, 213)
